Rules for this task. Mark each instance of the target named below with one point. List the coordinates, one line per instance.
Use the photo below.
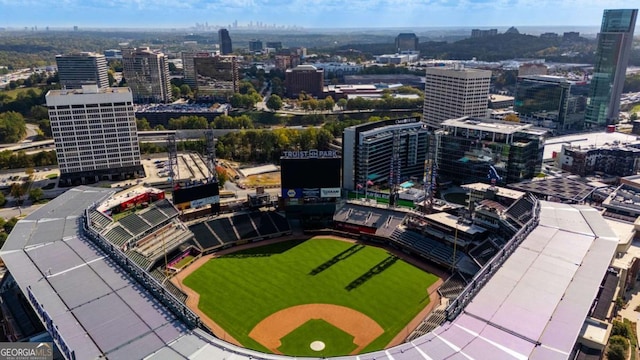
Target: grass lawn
(635, 108)
(14, 93)
(183, 262)
(239, 290)
(297, 342)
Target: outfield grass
(297, 342)
(239, 290)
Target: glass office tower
(551, 101)
(612, 55)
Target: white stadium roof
(533, 306)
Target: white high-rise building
(94, 130)
(454, 92)
(85, 68)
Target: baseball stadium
(133, 275)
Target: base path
(274, 327)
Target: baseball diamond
(284, 296)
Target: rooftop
(488, 125)
(585, 140)
(501, 191)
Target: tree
(222, 175)
(17, 191)
(342, 103)
(512, 118)
(12, 127)
(329, 103)
(143, 124)
(175, 91)
(36, 194)
(617, 352)
(39, 112)
(2, 200)
(29, 171)
(8, 226)
(633, 116)
(185, 90)
(274, 102)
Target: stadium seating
(244, 226)
(134, 224)
(99, 220)
(429, 248)
(204, 236)
(166, 207)
(118, 235)
(138, 258)
(281, 223)
(263, 223)
(223, 229)
(435, 319)
(153, 216)
(520, 211)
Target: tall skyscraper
(612, 57)
(94, 130)
(147, 74)
(452, 93)
(225, 41)
(85, 68)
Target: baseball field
(318, 297)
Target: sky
(304, 13)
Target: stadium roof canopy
(533, 306)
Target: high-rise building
(188, 68)
(468, 148)
(147, 74)
(216, 76)
(452, 93)
(367, 150)
(85, 68)
(406, 42)
(304, 78)
(94, 130)
(551, 101)
(255, 45)
(225, 42)
(612, 56)
(477, 33)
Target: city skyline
(317, 14)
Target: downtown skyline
(316, 14)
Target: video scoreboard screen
(310, 174)
(197, 196)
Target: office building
(255, 45)
(188, 69)
(85, 68)
(551, 101)
(113, 54)
(612, 159)
(477, 33)
(367, 151)
(304, 79)
(225, 42)
(571, 36)
(406, 42)
(147, 74)
(94, 130)
(451, 93)
(532, 69)
(612, 56)
(274, 45)
(468, 148)
(216, 76)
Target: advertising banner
(330, 192)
